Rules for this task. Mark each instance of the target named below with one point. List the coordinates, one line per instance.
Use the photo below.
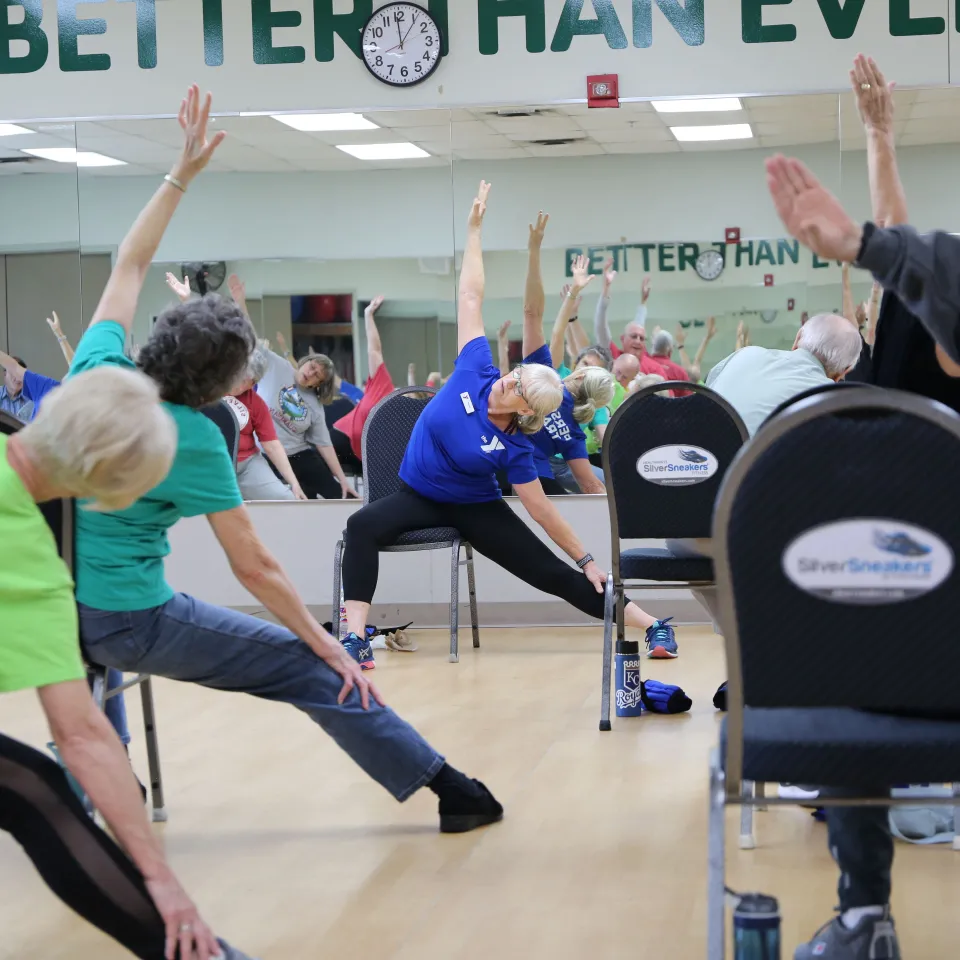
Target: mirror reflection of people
(103, 435)
(480, 422)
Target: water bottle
(756, 928)
(629, 703)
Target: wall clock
(401, 44)
(709, 265)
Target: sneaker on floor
(791, 791)
(873, 938)
(661, 642)
(360, 650)
(465, 812)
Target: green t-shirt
(39, 635)
(119, 556)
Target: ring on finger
(864, 86)
(186, 928)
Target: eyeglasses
(517, 374)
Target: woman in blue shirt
(480, 422)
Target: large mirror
(315, 215)
(671, 196)
(42, 273)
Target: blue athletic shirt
(351, 391)
(561, 434)
(453, 455)
(35, 387)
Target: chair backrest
(59, 514)
(837, 544)
(663, 460)
(810, 392)
(385, 437)
(226, 421)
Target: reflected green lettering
(687, 255)
(265, 21)
(904, 25)
(213, 33)
(665, 254)
(29, 30)
(764, 254)
(69, 28)
(595, 256)
(606, 22)
(819, 264)
(489, 13)
(146, 13)
(790, 248)
(744, 248)
(841, 18)
(645, 248)
(686, 20)
(754, 29)
(572, 254)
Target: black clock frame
(436, 64)
(723, 261)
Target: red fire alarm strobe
(732, 235)
(768, 279)
(791, 303)
(603, 91)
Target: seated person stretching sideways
(103, 435)
(22, 389)
(130, 619)
(254, 476)
(480, 422)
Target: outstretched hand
(609, 275)
(194, 117)
(180, 287)
(874, 95)
(645, 290)
(502, 332)
(680, 337)
(375, 304)
(711, 327)
(810, 212)
(582, 278)
(238, 290)
(537, 231)
(479, 207)
(54, 324)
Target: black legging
(314, 476)
(76, 859)
(491, 528)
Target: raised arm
(708, 335)
(873, 314)
(568, 308)
(470, 304)
(556, 347)
(181, 289)
(119, 300)
(285, 350)
(875, 102)
(849, 305)
(238, 290)
(54, 324)
(503, 349)
(411, 374)
(600, 323)
(11, 365)
(533, 296)
(374, 346)
(680, 339)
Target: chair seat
(658, 563)
(428, 537)
(840, 747)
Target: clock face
(709, 264)
(401, 44)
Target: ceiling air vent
(562, 142)
(23, 159)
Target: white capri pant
(258, 482)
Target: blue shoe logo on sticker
(691, 456)
(899, 543)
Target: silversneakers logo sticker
(868, 561)
(676, 466)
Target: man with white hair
(756, 380)
(661, 350)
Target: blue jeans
(115, 708)
(186, 639)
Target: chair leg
(748, 840)
(606, 673)
(337, 588)
(716, 870)
(956, 816)
(153, 751)
(99, 690)
(760, 791)
(455, 603)
(472, 585)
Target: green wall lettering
(790, 248)
(146, 12)
(754, 31)
(687, 21)
(688, 254)
(595, 256)
(326, 23)
(69, 28)
(615, 252)
(819, 264)
(665, 254)
(265, 21)
(745, 248)
(489, 13)
(903, 25)
(28, 30)
(572, 255)
(645, 248)
(764, 254)
(570, 25)
(213, 33)
(841, 18)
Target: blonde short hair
(592, 389)
(646, 380)
(543, 392)
(103, 435)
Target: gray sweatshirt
(297, 414)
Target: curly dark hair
(198, 350)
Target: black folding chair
(60, 516)
(822, 573)
(383, 444)
(663, 460)
(810, 392)
(226, 421)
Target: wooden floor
(294, 854)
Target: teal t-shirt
(119, 556)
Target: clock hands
(407, 34)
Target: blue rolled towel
(660, 697)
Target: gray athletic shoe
(874, 938)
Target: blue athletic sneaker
(360, 650)
(661, 643)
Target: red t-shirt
(254, 418)
(377, 387)
(674, 372)
(647, 363)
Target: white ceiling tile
(583, 149)
(535, 128)
(410, 118)
(416, 134)
(630, 134)
(643, 146)
(478, 153)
